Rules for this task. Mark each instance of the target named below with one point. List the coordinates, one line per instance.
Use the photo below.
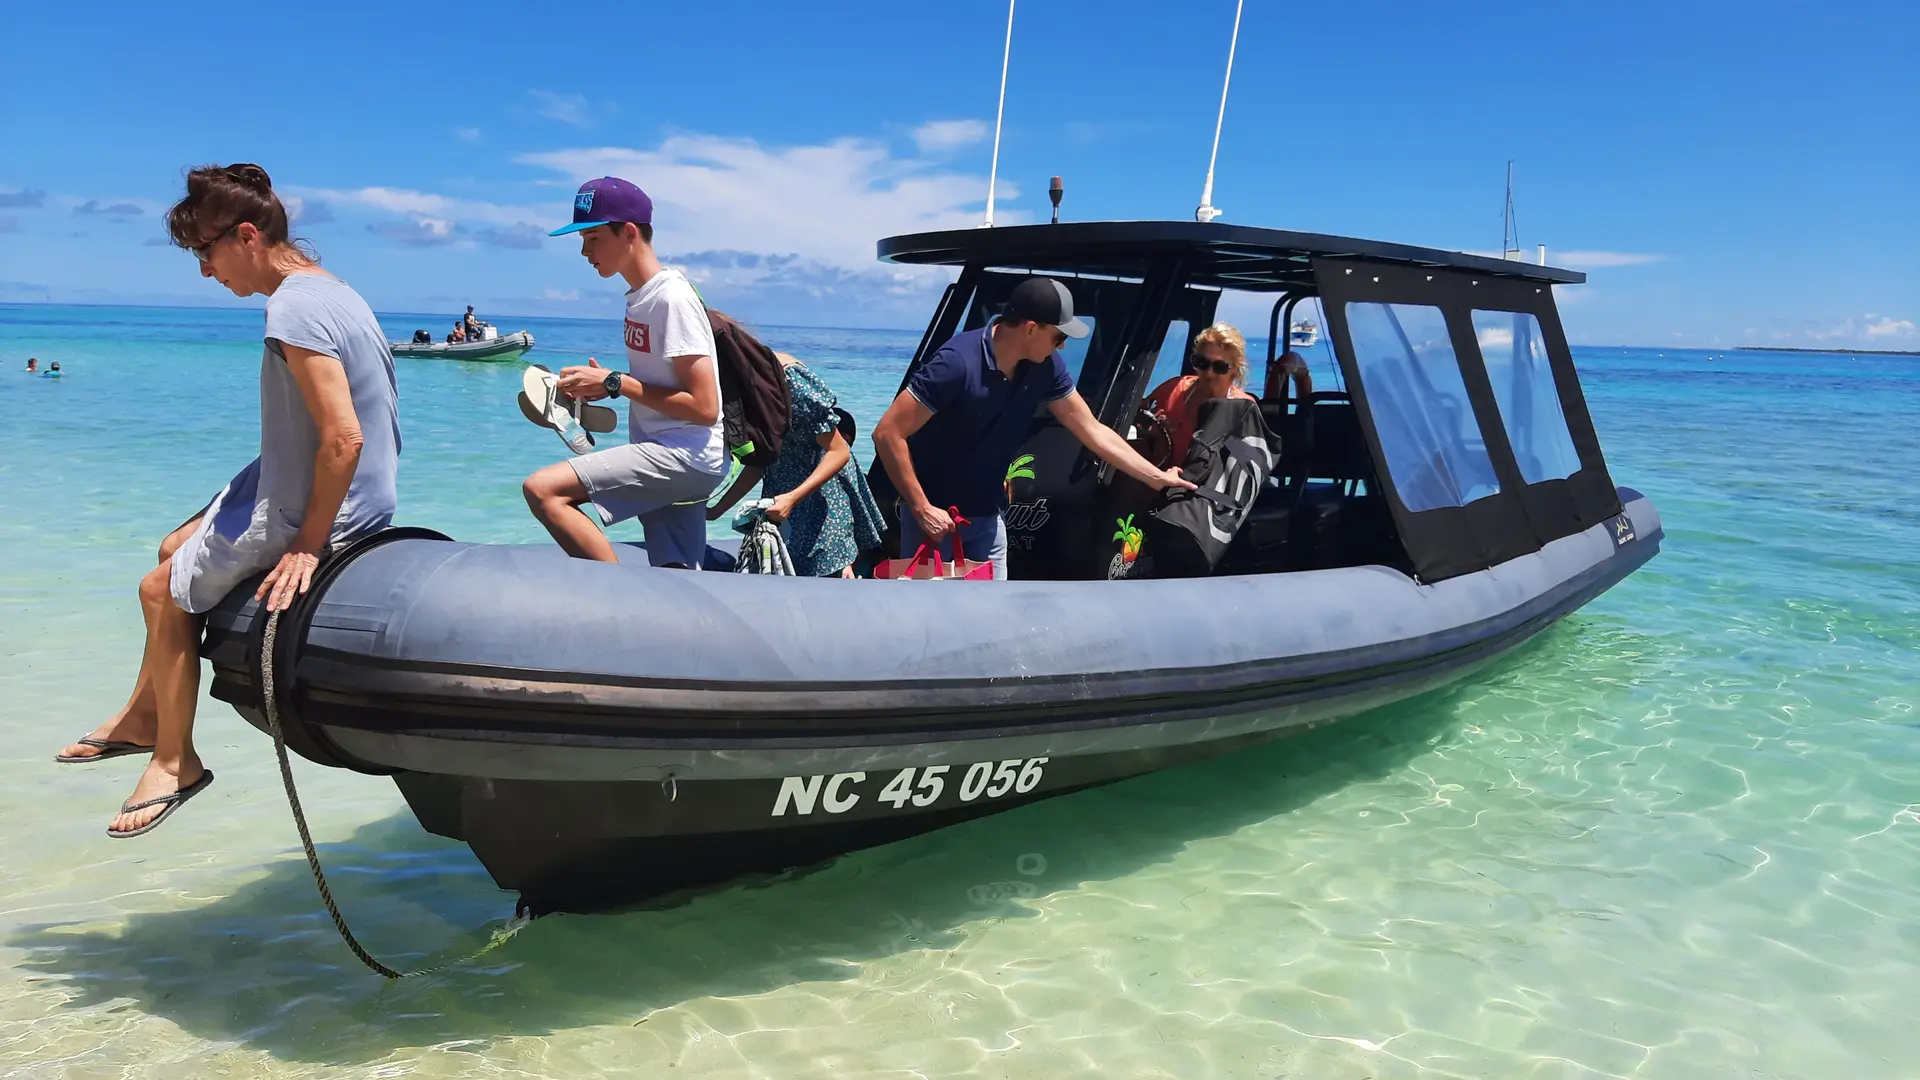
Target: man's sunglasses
(1218, 367)
(204, 252)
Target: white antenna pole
(993, 174)
(1206, 210)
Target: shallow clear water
(1676, 836)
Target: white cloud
(938, 136)
(1868, 331)
(410, 201)
(826, 202)
(1593, 260)
(467, 134)
(561, 295)
(1879, 326)
(566, 108)
(419, 230)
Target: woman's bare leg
(173, 664)
(136, 721)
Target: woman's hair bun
(253, 176)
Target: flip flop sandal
(172, 802)
(543, 404)
(109, 748)
(595, 418)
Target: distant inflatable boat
(493, 350)
(598, 733)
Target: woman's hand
(783, 505)
(288, 579)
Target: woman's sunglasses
(204, 252)
(1218, 367)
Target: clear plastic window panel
(1516, 358)
(1434, 453)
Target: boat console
(1458, 436)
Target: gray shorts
(647, 481)
(239, 536)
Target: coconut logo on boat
(1019, 470)
(1126, 562)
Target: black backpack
(1230, 459)
(754, 405)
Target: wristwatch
(612, 383)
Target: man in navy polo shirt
(947, 440)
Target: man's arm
(904, 417)
(1073, 414)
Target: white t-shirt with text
(665, 319)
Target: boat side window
(1172, 359)
(1516, 359)
(1434, 452)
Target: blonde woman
(1217, 368)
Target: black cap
(1045, 301)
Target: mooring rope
(306, 837)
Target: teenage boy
(947, 439)
(675, 455)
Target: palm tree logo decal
(1018, 471)
(1130, 538)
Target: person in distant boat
(329, 444)
(1291, 366)
(948, 438)
(1217, 369)
(33, 364)
(677, 454)
(826, 514)
(457, 336)
(469, 325)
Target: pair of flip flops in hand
(576, 422)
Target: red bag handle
(959, 557)
(921, 555)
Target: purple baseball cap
(606, 200)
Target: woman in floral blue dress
(820, 499)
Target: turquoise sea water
(1677, 836)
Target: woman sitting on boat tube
(826, 514)
(1218, 369)
(329, 444)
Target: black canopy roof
(1224, 256)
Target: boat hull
(501, 350)
(594, 787)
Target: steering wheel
(1156, 443)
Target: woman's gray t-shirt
(252, 522)
(320, 313)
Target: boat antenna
(1206, 210)
(993, 173)
(1509, 228)
(1054, 191)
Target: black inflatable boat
(597, 733)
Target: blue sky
(1725, 172)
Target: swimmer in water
(53, 370)
(33, 364)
